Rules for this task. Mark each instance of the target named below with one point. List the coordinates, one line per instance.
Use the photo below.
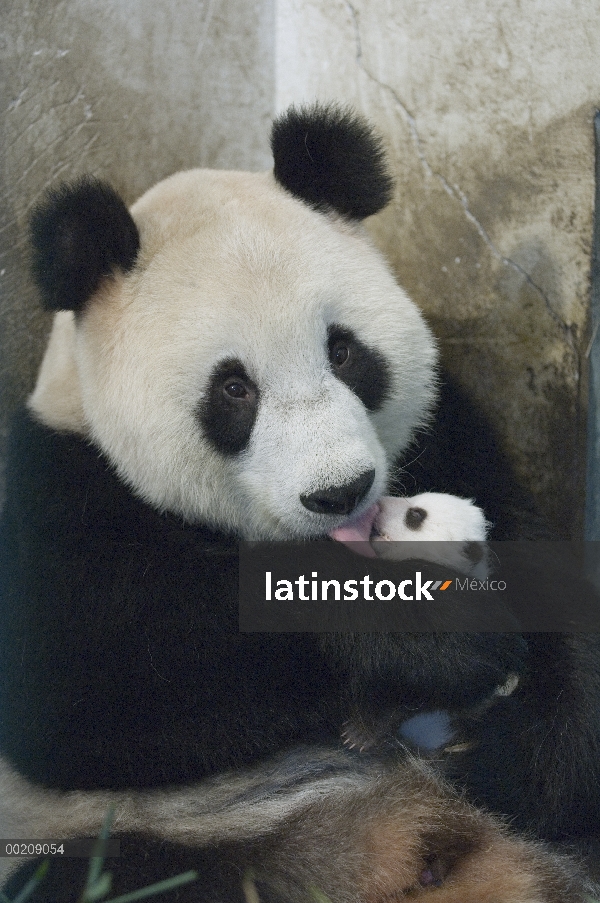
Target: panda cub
(444, 528)
(431, 526)
(233, 359)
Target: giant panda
(233, 359)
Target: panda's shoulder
(58, 479)
(66, 508)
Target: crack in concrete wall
(453, 191)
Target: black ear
(80, 233)
(331, 158)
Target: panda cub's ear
(80, 233)
(329, 157)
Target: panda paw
(359, 736)
(354, 739)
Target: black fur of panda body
(153, 440)
(108, 695)
(120, 640)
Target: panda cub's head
(235, 345)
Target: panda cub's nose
(339, 499)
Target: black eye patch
(228, 410)
(414, 518)
(364, 370)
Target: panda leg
(399, 833)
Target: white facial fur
(231, 266)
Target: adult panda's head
(234, 344)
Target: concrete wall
(486, 107)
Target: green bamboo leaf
(98, 890)
(158, 888)
(97, 859)
(249, 888)
(33, 882)
(318, 895)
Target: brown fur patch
(405, 835)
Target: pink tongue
(358, 531)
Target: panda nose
(339, 499)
